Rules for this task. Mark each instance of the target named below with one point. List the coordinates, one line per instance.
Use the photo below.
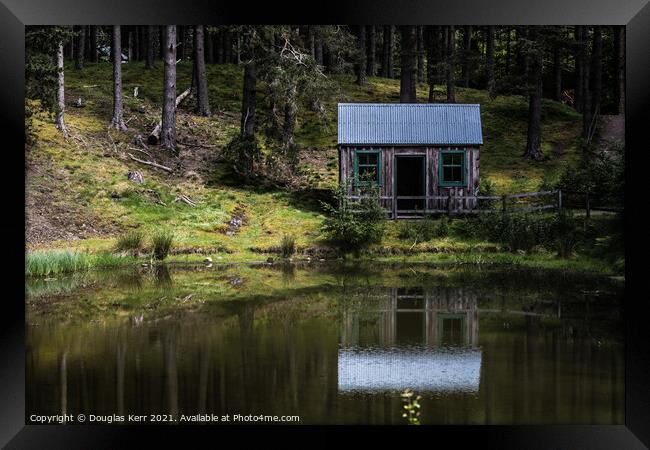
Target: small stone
(136, 177)
(207, 260)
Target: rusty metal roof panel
(409, 124)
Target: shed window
(452, 168)
(367, 167)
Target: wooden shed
(423, 157)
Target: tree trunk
(137, 46)
(508, 49)
(227, 46)
(578, 66)
(467, 50)
(161, 41)
(408, 74)
(290, 113)
(201, 79)
(586, 91)
(420, 50)
(220, 46)
(248, 101)
(372, 47)
(143, 43)
(131, 50)
(150, 52)
(619, 39)
(450, 40)
(168, 132)
(360, 66)
(387, 59)
(116, 50)
(93, 44)
(209, 47)
(596, 70)
(318, 49)
(557, 72)
(489, 57)
(430, 35)
(80, 47)
(534, 140)
(60, 93)
(180, 50)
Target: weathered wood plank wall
(432, 154)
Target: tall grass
(287, 246)
(162, 243)
(130, 242)
(42, 263)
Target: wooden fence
(471, 204)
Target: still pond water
(329, 343)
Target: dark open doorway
(409, 182)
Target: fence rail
(470, 204)
(463, 204)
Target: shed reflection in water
(337, 353)
(424, 339)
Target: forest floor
(78, 194)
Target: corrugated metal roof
(406, 123)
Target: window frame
(441, 166)
(361, 151)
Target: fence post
(503, 203)
(449, 203)
(588, 205)
(559, 199)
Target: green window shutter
(452, 168)
(367, 161)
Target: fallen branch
(154, 137)
(185, 199)
(141, 151)
(150, 163)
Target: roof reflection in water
(410, 338)
(418, 369)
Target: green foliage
(43, 263)
(161, 244)
(487, 189)
(352, 225)
(565, 232)
(423, 230)
(411, 406)
(130, 242)
(602, 172)
(243, 152)
(524, 232)
(287, 245)
(516, 231)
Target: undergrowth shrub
(287, 246)
(130, 242)
(423, 230)
(566, 234)
(352, 225)
(161, 244)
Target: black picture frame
(15, 14)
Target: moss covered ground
(78, 191)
